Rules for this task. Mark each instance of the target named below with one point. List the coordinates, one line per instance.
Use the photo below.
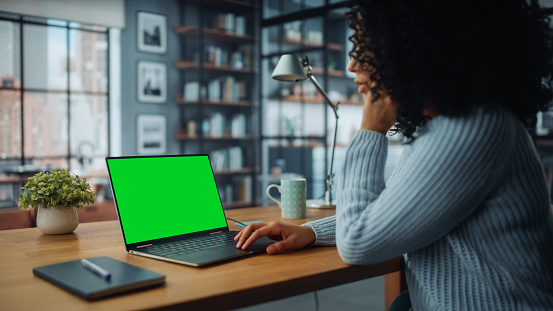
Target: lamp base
(320, 204)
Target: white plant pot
(59, 220)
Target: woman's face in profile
(361, 76)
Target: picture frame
(151, 32)
(151, 132)
(152, 82)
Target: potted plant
(57, 195)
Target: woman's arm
(452, 166)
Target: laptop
(169, 209)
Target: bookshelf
(297, 124)
(218, 101)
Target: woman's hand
(379, 116)
(289, 237)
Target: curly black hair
(453, 56)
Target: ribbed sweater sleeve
(444, 178)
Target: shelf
(335, 47)
(331, 72)
(240, 103)
(245, 170)
(314, 100)
(214, 34)
(309, 44)
(181, 134)
(184, 64)
(227, 4)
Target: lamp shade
(289, 69)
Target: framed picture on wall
(152, 32)
(151, 134)
(152, 82)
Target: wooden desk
(233, 284)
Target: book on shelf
(228, 193)
(219, 159)
(247, 52)
(242, 188)
(214, 90)
(238, 125)
(217, 125)
(236, 158)
(217, 56)
(191, 91)
(225, 159)
(229, 22)
(229, 93)
(240, 25)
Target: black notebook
(74, 277)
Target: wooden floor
(14, 218)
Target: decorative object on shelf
(151, 134)
(152, 82)
(57, 195)
(291, 69)
(152, 32)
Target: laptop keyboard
(191, 245)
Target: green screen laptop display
(165, 196)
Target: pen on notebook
(96, 269)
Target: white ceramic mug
(293, 194)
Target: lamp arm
(330, 177)
(313, 80)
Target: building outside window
(54, 96)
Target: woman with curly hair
(467, 205)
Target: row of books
(225, 88)
(230, 23)
(218, 125)
(219, 56)
(240, 189)
(231, 158)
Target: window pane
(45, 57)
(88, 52)
(291, 37)
(89, 132)
(546, 3)
(291, 6)
(45, 119)
(10, 71)
(270, 8)
(312, 4)
(10, 125)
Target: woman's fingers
(290, 236)
(246, 232)
(270, 229)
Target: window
(54, 95)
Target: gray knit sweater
(467, 206)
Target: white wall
(109, 13)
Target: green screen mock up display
(159, 197)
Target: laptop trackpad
(212, 255)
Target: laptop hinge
(144, 245)
(216, 232)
